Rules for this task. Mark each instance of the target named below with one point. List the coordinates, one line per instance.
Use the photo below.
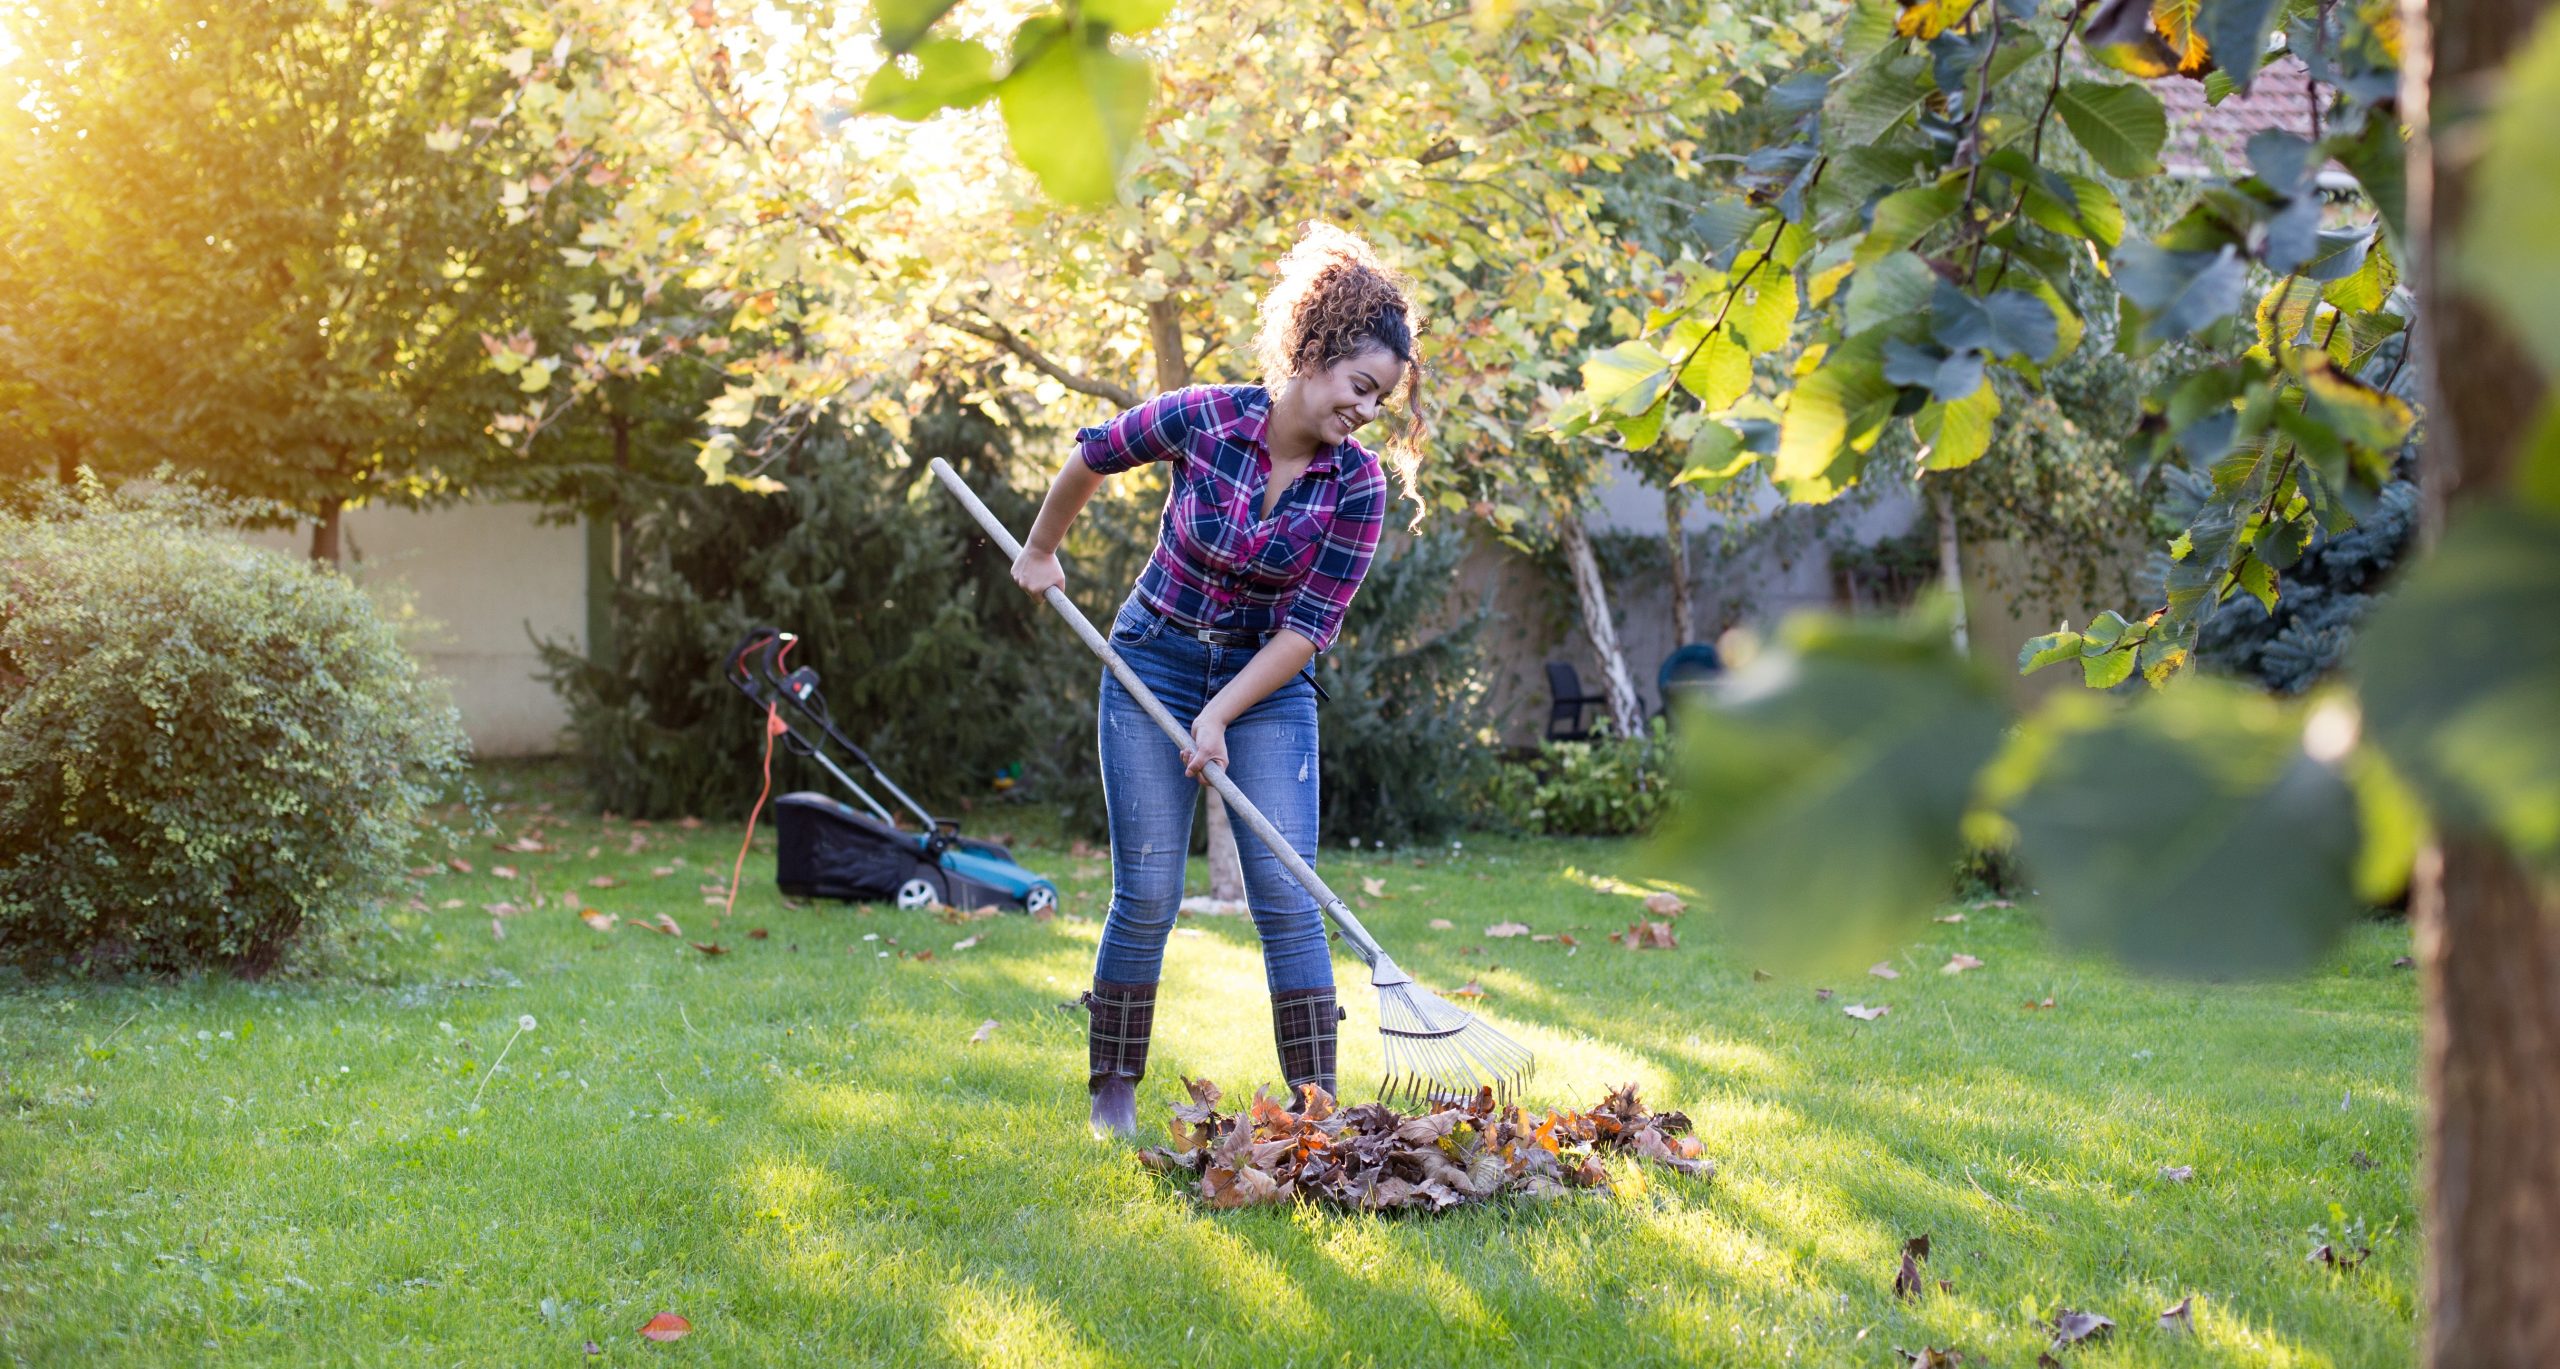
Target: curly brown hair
(1333, 298)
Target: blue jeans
(1272, 758)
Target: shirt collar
(1251, 425)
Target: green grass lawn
(796, 1146)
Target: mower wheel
(918, 893)
(1041, 899)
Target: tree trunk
(1164, 339)
(1684, 623)
(1592, 597)
(2488, 938)
(66, 458)
(325, 541)
(1950, 563)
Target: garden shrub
(1607, 786)
(209, 753)
(1400, 736)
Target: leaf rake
(1434, 1049)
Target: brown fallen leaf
(500, 909)
(2037, 1004)
(604, 882)
(1664, 903)
(602, 922)
(661, 871)
(1567, 939)
(1822, 995)
(1930, 1357)
(502, 872)
(1950, 917)
(2181, 1318)
(450, 904)
(1544, 936)
(1470, 989)
(964, 943)
(1883, 969)
(1995, 903)
(571, 903)
(1906, 1279)
(665, 1326)
(1646, 936)
(1960, 963)
(1373, 887)
(2404, 963)
(1441, 924)
(1761, 976)
(1506, 930)
(2360, 1160)
(2177, 1174)
(497, 930)
(986, 1031)
(2071, 1328)
(460, 866)
(1864, 1013)
(709, 947)
(690, 824)
(594, 1349)
(668, 925)
(1043, 914)
(757, 934)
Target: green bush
(1399, 734)
(209, 753)
(1608, 786)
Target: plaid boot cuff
(1123, 1016)
(1303, 1022)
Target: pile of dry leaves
(1372, 1157)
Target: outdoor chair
(1564, 716)
(1692, 670)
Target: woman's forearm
(1075, 484)
(1284, 655)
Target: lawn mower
(831, 850)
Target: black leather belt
(1215, 637)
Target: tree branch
(1011, 341)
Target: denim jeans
(1271, 753)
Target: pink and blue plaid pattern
(1218, 562)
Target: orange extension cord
(774, 727)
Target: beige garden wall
(471, 586)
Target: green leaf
(2461, 671)
(2006, 323)
(1764, 312)
(2367, 287)
(951, 73)
(1843, 737)
(1718, 373)
(1956, 433)
(1073, 108)
(2507, 255)
(2362, 415)
(904, 23)
(1873, 99)
(2189, 834)
(1892, 288)
(2079, 207)
(2180, 292)
(2107, 668)
(1823, 406)
(1716, 455)
(1904, 217)
(2259, 579)
(2120, 127)
(2379, 157)
(2053, 648)
(1127, 16)
(2393, 824)
(1626, 378)
(2236, 31)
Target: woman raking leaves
(1272, 517)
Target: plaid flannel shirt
(1218, 562)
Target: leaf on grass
(1822, 995)
(668, 925)
(1883, 969)
(665, 1326)
(661, 871)
(1646, 936)
(502, 872)
(1373, 886)
(2180, 1318)
(1950, 917)
(964, 943)
(1761, 976)
(460, 866)
(709, 947)
(2037, 1004)
(604, 882)
(1442, 924)
(1470, 989)
(986, 1031)
(500, 909)
(602, 922)
(1906, 1279)
(1864, 1013)
(757, 934)
(1930, 1357)
(1507, 930)
(1959, 963)
(2403, 963)
(2071, 1328)
(1664, 903)
(497, 930)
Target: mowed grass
(796, 1146)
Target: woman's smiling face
(1341, 399)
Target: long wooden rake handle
(1383, 970)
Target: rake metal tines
(1437, 1051)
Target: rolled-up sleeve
(1153, 431)
(1342, 559)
